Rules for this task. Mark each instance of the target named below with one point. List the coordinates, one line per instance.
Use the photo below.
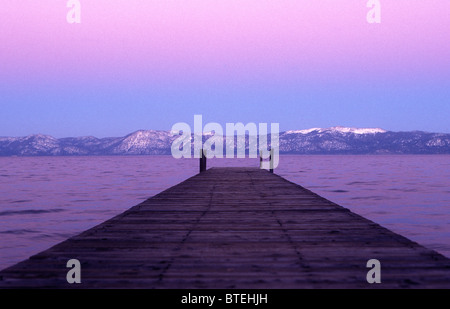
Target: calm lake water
(45, 200)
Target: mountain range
(335, 140)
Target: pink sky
(134, 64)
(223, 38)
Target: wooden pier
(234, 228)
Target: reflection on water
(44, 200)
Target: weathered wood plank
(234, 228)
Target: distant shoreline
(331, 141)
(281, 154)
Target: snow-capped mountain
(335, 140)
(343, 140)
(144, 142)
(339, 130)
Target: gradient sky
(143, 64)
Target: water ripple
(29, 211)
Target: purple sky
(143, 64)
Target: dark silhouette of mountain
(336, 140)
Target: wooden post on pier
(202, 160)
(271, 160)
(260, 159)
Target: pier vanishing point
(234, 228)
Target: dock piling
(271, 160)
(202, 160)
(260, 159)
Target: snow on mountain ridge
(303, 131)
(334, 140)
(141, 141)
(340, 130)
(358, 130)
